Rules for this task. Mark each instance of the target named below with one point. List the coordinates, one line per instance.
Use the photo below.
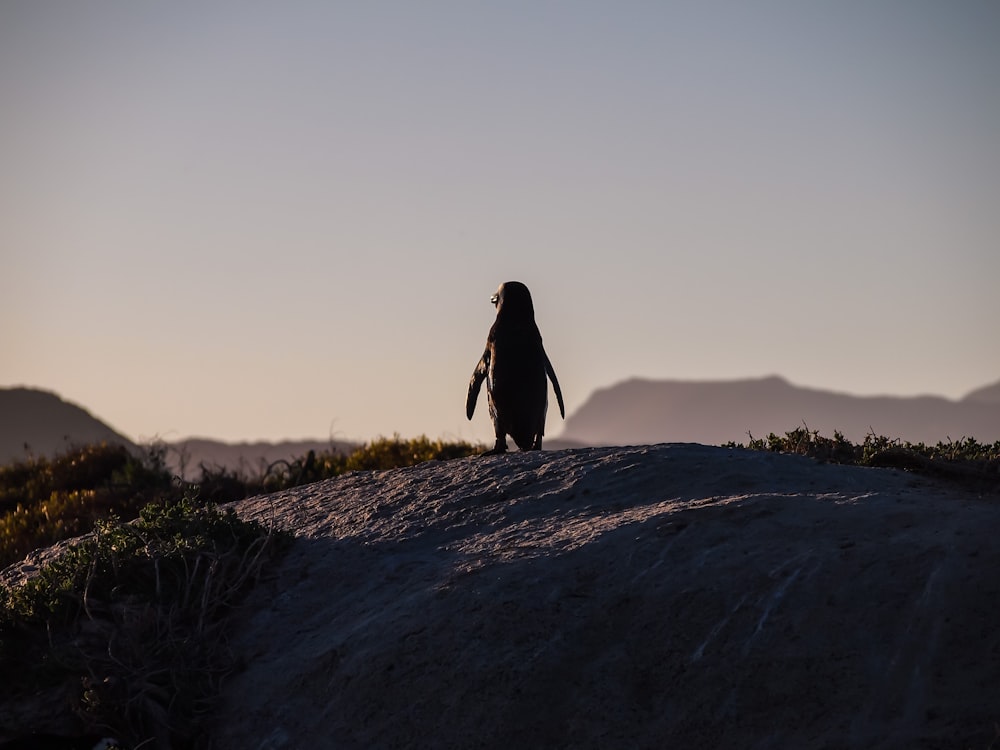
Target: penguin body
(514, 366)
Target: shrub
(46, 500)
(976, 465)
(131, 621)
(378, 455)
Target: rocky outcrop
(648, 597)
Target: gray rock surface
(646, 597)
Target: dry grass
(132, 623)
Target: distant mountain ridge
(988, 394)
(39, 423)
(640, 411)
(186, 457)
(34, 422)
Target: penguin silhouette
(514, 367)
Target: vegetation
(378, 455)
(43, 501)
(976, 465)
(129, 624)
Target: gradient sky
(265, 220)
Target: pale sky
(265, 220)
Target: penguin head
(513, 300)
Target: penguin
(514, 367)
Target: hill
(641, 411)
(39, 423)
(988, 394)
(658, 596)
(185, 457)
(35, 422)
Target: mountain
(39, 423)
(641, 411)
(34, 422)
(988, 394)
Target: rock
(644, 597)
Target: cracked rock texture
(644, 597)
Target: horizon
(249, 223)
(174, 439)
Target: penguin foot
(498, 449)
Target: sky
(263, 220)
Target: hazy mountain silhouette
(34, 422)
(186, 457)
(39, 423)
(641, 411)
(988, 394)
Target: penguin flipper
(555, 386)
(476, 382)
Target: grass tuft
(130, 623)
